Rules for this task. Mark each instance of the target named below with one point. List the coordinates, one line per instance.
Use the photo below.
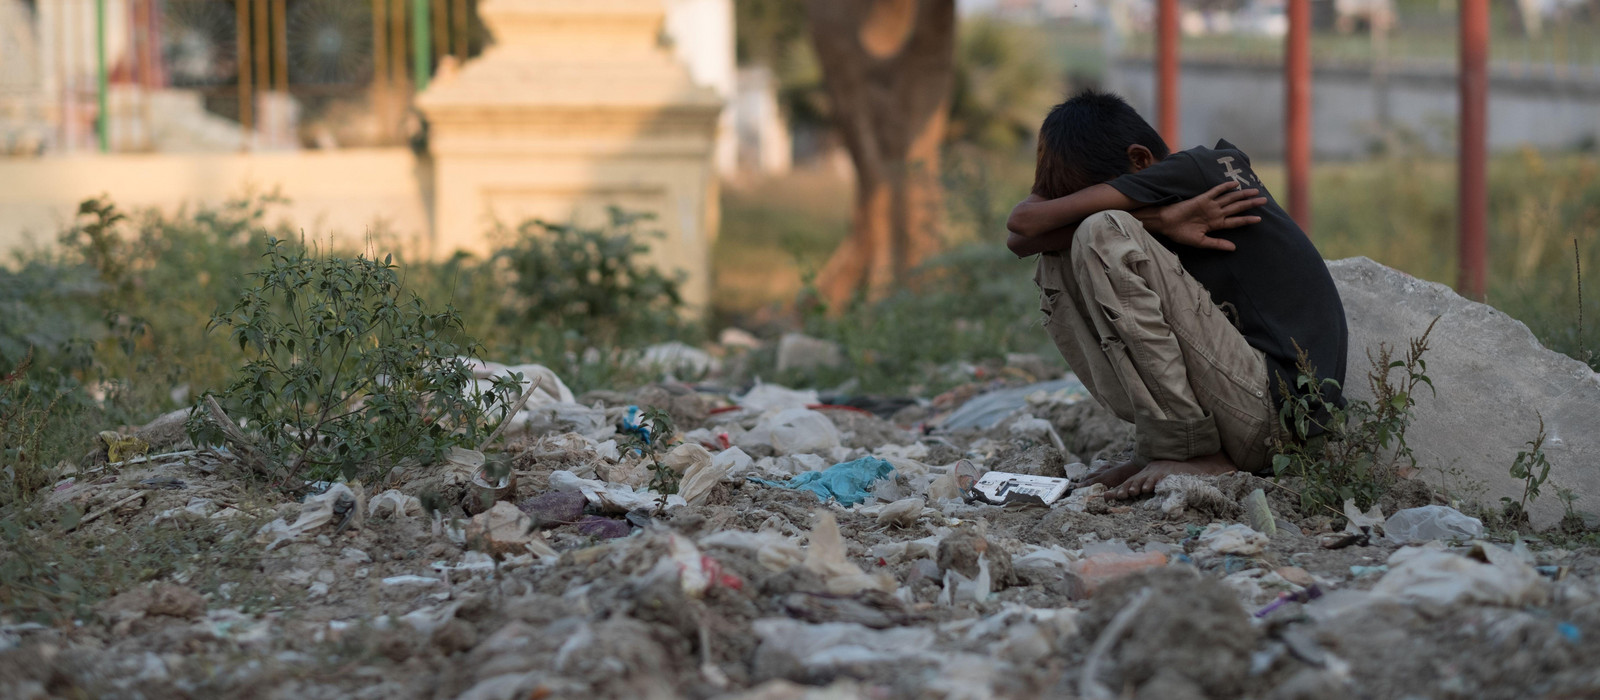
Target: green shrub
(579, 299)
(592, 282)
(1356, 451)
(349, 373)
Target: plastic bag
(793, 431)
(1235, 539)
(1417, 525)
(768, 397)
(395, 504)
(704, 474)
(773, 550)
(902, 513)
(613, 498)
(847, 482)
(822, 646)
(1490, 576)
(319, 510)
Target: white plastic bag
(793, 431)
(1417, 525)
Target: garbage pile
(809, 549)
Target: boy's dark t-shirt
(1276, 283)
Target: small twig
(242, 444)
(1577, 261)
(96, 515)
(143, 459)
(505, 421)
(1090, 687)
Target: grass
(775, 232)
(51, 577)
(1402, 212)
(1426, 33)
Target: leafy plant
(348, 373)
(589, 285)
(1571, 520)
(652, 429)
(1533, 469)
(1358, 450)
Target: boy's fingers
(1221, 189)
(1216, 244)
(1237, 221)
(1246, 205)
(1237, 195)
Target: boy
(1186, 333)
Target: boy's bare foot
(1114, 473)
(1145, 480)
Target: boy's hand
(1189, 221)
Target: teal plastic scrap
(847, 482)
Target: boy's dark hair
(1084, 142)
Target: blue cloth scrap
(846, 482)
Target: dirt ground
(751, 594)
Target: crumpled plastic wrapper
(826, 557)
(319, 510)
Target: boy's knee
(1097, 233)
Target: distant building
(572, 106)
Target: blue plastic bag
(847, 482)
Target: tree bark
(887, 66)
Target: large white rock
(1494, 381)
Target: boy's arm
(1036, 215)
(1024, 246)
(1186, 222)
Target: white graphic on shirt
(1237, 175)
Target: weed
(25, 412)
(348, 373)
(647, 433)
(1358, 450)
(1533, 469)
(1571, 520)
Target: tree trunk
(888, 66)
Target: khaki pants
(1148, 342)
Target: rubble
(805, 551)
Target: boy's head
(1090, 139)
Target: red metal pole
(1297, 82)
(1473, 190)
(1167, 71)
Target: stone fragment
(173, 600)
(503, 530)
(960, 552)
(603, 528)
(1295, 575)
(554, 508)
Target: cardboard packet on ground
(1005, 488)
